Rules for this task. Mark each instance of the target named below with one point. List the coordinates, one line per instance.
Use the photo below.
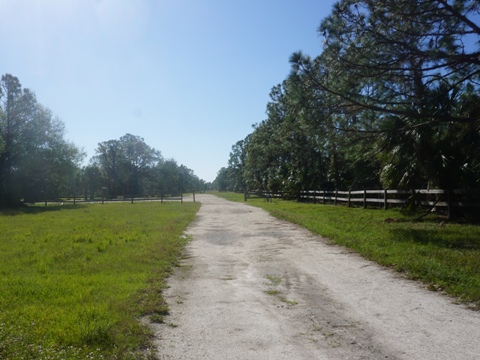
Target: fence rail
(438, 198)
(126, 198)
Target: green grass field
(74, 280)
(445, 256)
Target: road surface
(255, 287)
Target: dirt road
(254, 287)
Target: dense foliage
(392, 101)
(129, 167)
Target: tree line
(128, 166)
(391, 102)
(37, 163)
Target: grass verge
(75, 279)
(445, 256)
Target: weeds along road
(254, 287)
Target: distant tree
(109, 159)
(92, 180)
(128, 166)
(125, 164)
(174, 179)
(169, 177)
(189, 181)
(299, 146)
(236, 165)
(221, 181)
(139, 161)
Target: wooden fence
(434, 198)
(132, 199)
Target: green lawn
(75, 279)
(445, 256)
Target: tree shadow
(37, 209)
(441, 238)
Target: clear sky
(188, 76)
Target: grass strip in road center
(75, 279)
(444, 255)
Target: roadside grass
(74, 280)
(443, 255)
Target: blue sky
(189, 76)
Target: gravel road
(254, 287)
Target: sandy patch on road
(254, 287)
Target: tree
(409, 67)
(299, 145)
(125, 164)
(221, 181)
(387, 56)
(109, 159)
(92, 180)
(236, 165)
(129, 166)
(35, 159)
(139, 160)
(15, 113)
(174, 179)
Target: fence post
(449, 203)
(181, 198)
(193, 195)
(364, 198)
(131, 200)
(385, 200)
(314, 196)
(349, 195)
(323, 197)
(336, 195)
